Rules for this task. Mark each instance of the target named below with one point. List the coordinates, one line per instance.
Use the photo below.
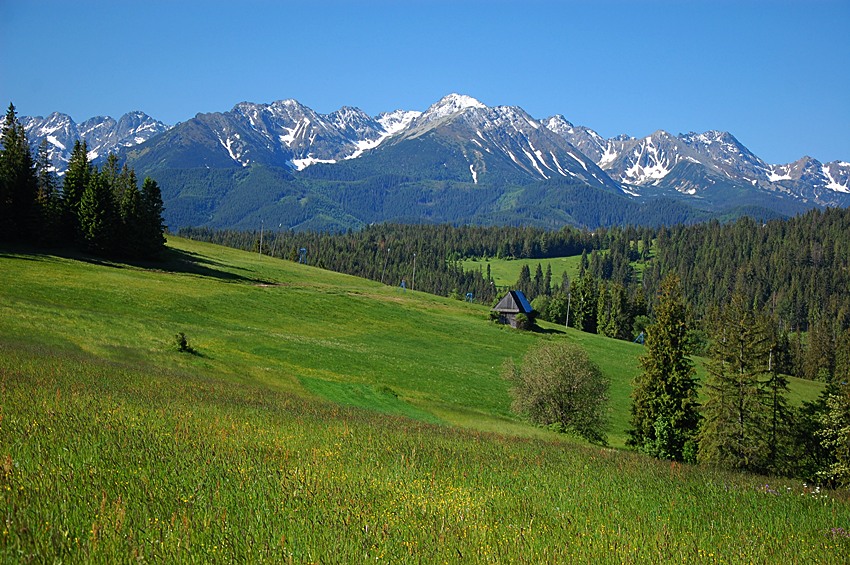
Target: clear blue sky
(776, 74)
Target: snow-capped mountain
(584, 139)
(499, 142)
(283, 134)
(458, 161)
(694, 164)
(102, 134)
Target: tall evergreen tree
(47, 194)
(77, 177)
(584, 303)
(153, 228)
(523, 283)
(98, 216)
(664, 413)
(736, 431)
(605, 325)
(18, 186)
(537, 283)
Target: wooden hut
(514, 303)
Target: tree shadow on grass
(186, 262)
(546, 331)
(169, 260)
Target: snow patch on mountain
(449, 106)
(399, 120)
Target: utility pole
(413, 283)
(385, 265)
(274, 245)
(569, 296)
(261, 238)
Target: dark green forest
(100, 211)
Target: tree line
(101, 211)
(389, 252)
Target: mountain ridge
(457, 145)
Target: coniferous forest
(99, 211)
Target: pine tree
(820, 351)
(584, 303)
(98, 216)
(664, 412)
(152, 239)
(523, 283)
(537, 284)
(605, 324)
(18, 186)
(47, 194)
(736, 431)
(132, 225)
(76, 180)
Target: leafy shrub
(560, 388)
(522, 322)
(181, 343)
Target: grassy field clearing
(114, 447)
(505, 272)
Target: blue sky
(775, 74)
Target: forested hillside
(796, 269)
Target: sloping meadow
(116, 447)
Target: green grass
(327, 418)
(505, 272)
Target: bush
(181, 343)
(560, 388)
(521, 321)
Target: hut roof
(514, 302)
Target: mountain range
(459, 161)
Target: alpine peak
(451, 104)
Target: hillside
(113, 445)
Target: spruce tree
(47, 194)
(604, 322)
(152, 240)
(132, 225)
(18, 186)
(537, 284)
(664, 413)
(77, 177)
(736, 430)
(523, 283)
(98, 216)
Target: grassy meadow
(324, 418)
(505, 272)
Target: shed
(513, 303)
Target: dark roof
(514, 302)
